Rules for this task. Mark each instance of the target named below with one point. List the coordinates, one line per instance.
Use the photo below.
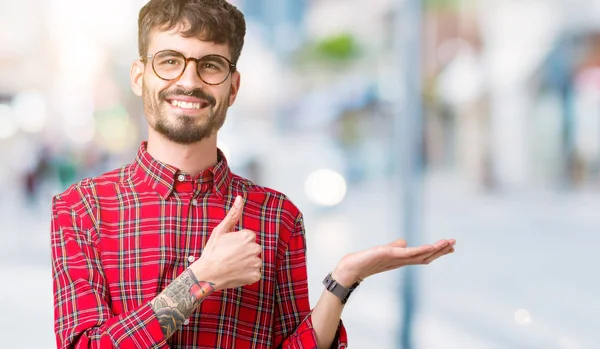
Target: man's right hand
(230, 259)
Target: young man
(176, 251)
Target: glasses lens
(168, 65)
(213, 69)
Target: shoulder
(270, 202)
(81, 196)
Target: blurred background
(477, 120)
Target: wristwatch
(340, 291)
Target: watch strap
(340, 291)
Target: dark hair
(213, 20)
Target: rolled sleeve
(305, 337)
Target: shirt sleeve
(82, 312)
(293, 322)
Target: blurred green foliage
(442, 4)
(341, 47)
(332, 52)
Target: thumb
(398, 243)
(233, 216)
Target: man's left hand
(358, 266)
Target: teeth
(185, 105)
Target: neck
(189, 158)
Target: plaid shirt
(119, 239)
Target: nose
(190, 80)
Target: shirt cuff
(138, 329)
(305, 337)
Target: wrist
(204, 273)
(338, 288)
(345, 276)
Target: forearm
(326, 318)
(327, 313)
(178, 300)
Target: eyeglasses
(170, 65)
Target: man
(174, 250)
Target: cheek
(152, 101)
(152, 87)
(223, 96)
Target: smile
(186, 105)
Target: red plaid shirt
(119, 239)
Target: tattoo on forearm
(177, 302)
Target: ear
(136, 77)
(235, 87)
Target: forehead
(191, 46)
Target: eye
(209, 66)
(170, 62)
(169, 59)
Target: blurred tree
(342, 47)
(441, 4)
(330, 54)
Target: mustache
(198, 93)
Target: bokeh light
(80, 133)
(8, 126)
(115, 130)
(522, 317)
(325, 187)
(30, 111)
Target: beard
(181, 128)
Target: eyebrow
(211, 57)
(206, 54)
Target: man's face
(185, 110)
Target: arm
(360, 265)
(82, 312)
(323, 327)
(295, 325)
(326, 316)
(177, 302)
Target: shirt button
(181, 178)
(186, 322)
(195, 202)
(191, 259)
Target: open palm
(359, 265)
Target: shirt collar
(161, 177)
